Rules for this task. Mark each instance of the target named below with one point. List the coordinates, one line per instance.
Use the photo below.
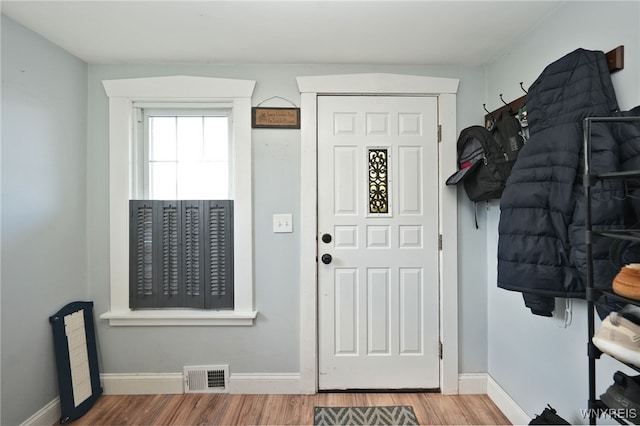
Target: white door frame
(377, 84)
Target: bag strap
(475, 213)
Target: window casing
(123, 95)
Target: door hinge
(440, 350)
(440, 242)
(439, 132)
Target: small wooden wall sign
(275, 118)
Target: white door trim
(389, 84)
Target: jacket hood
(567, 92)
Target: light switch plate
(282, 223)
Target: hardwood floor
(226, 409)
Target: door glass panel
(378, 181)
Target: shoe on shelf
(627, 282)
(624, 396)
(620, 338)
(631, 312)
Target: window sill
(181, 317)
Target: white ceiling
(466, 33)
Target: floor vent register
(206, 379)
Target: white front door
(378, 242)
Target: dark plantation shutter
(169, 282)
(193, 251)
(181, 254)
(219, 254)
(141, 291)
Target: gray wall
(535, 359)
(44, 239)
(271, 346)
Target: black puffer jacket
(541, 250)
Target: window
(131, 99)
(181, 222)
(184, 154)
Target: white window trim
(178, 89)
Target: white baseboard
(284, 383)
(173, 383)
(472, 383)
(46, 416)
(141, 384)
(505, 403)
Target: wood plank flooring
(226, 409)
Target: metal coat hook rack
(615, 61)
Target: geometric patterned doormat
(359, 416)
